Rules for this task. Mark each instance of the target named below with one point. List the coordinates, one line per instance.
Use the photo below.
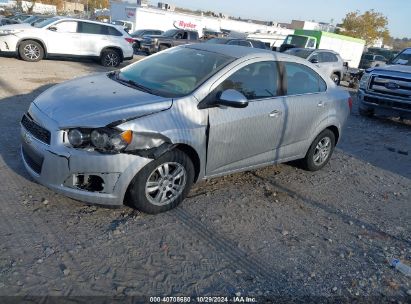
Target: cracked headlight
(364, 81)
(102, 139)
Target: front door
(63, 38)
(240, 138)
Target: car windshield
(137, 33)
(404, 58)
(217, 41)
(368, 57)
(299, 52)
(20, 17)
(170, 33)
(45, 22)
(175, 72)
(298, 41)
(31, 19)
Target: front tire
(31, 51)
(320, 151)
(110, 58)
(162, 184)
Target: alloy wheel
(32, 51)
(111, 59)
(322, 151)
(166, 183)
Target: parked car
(329, 62)
(126, 25)
(67, 37)
(144, 134)
(7, 21)
(139, 34)
(387, 90)
(155, 43)
(240, 42)
(20, 17)
(371, 60)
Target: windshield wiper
(131, 83)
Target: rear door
(307, 105)
(245, 137)
(62, 38)
(95, 37)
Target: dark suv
(138, 36)
(372, 60)
(155, 43)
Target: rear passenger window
(257, 80)
(245, 43)
(92, 28)
(303, 80)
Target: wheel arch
(335, 130)
(38, 40)
(193, 155)
(115, 48)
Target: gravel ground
(278, 232)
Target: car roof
(84, 20)
(243, 51)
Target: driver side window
(66, 27)
(255, 81)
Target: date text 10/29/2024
(235, 299)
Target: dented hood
(96, 101)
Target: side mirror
(345, 64)
(314, 60)
(232, 98)
(52, 28)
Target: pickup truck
(387, 90)
(155, 43)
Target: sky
(398, 12)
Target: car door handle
(276, 113)
(322, 104)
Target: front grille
(36, 130)
(31, 162)
(388, 103)
(391, 86)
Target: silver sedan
(144, 134)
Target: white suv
(67, 37)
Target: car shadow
(12, 109)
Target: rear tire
(162, 47)
(162, 184)
(320, 151)
(31, 51)
(366, 113)
(110, 58)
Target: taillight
(129, 40)
(350, 102)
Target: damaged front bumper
(82, 175)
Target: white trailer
(154, 18)
(272, 39)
